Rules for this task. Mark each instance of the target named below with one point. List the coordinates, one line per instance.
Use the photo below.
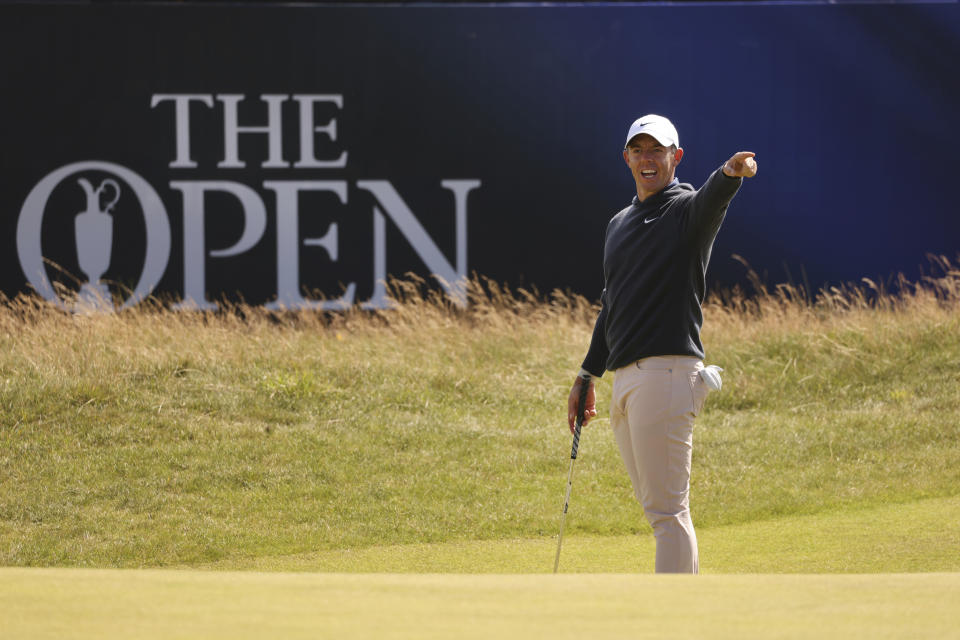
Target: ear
(626, 157)
(678, 155)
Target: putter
(581, 407)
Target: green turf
(919, 536)
(159, 439)
(157, 604)
(378, 447)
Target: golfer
(655, 260)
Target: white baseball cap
(657, 126)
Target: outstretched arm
(709, 205)
(741, 165)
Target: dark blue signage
(300, 155)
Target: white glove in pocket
(711, 376)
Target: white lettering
(307, 129)
(232, 131)
(194, 244)
(288, 244)
(452, 280)
(93, 228)
(379, 299)
(181, 114)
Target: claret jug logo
(74, 218)
(93, 230)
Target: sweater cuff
(728, 177)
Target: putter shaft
(581, 406)
(563, 518)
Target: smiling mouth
(648, 173)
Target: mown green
(150, 604)
(922, 536)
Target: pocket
(698, 391)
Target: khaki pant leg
(654, 405)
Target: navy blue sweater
(655, 260)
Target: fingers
(588, 414)
(741, 165)
(573, 400)
(748, 163)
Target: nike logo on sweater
(649, 220)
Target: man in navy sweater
(655, 261)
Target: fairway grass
(923, 536)
(148, 604)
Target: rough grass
(153, 438)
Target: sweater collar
(658, 196)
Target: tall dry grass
(786, 307)
(414, 305)
(418, 305)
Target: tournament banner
(299, 156)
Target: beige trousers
(655, 401)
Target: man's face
(652, 164)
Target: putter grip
(581, 407)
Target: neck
(643, 194)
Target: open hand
(741, 165)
